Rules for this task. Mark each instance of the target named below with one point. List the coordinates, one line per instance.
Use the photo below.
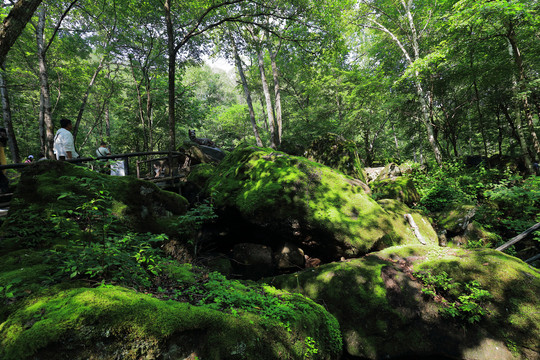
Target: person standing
(64, 147)
(103, 150)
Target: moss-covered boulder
(57, 200)
(304, 202)
(400, 188)
(338, 153)
(419, 301)
(230, 321)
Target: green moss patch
(294, 195)
(57, 200)
(110, 320)
(400, 188)
(383, 311)
(338, 153)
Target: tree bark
(8, 124)
(277, 96)
(518, 61)
(247, 93)
(45, 106)
(14, 24)
(85, 98)
(268, 99)
(172, 73)
(423, 95)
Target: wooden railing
(125, 157)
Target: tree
(14, 24)
(406, 26)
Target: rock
(253, 260)
(303, 202)
(56, 199)
(372, 173)
(337, 153)
(390, 171)
(384, 313)
(201, 154)
(289, 256)
(455, 219)
(117, 323)
(399, 188)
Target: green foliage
(131, 259)
(512, 206)
(443, 187)
(464, 301)
(311, 348)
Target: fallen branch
(534, 258)
(415, 228)
(519, 237)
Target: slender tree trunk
(149, 111)
(8, 124)
(423, 96)
(277, 97)
(140, 106)
(518, 60)
(48, 127)
(500, 131)
(396, 141)
(247, 93)
(85, 98)
(268, 100)
(172, 74)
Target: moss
(334, 151)
(452, 219)
(400, 188)
(51, 193)
(199, 174)
(271, 188)
(83, 320)
(374, 309)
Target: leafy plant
(459, 300)
(131, 259)
(311, 347)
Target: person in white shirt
(64, 148)
(103, 150)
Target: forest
(376, 195)
(420, 80)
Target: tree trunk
(238, 62)
(8, 124)
(518, 60)
(277, 97)
(85, 98)
(423, 96)
(139, 103)
(45, 106)
(14, 24)
(172, 73)
(268, 100)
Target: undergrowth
(463, 301)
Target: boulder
(305, 203)
(338, 153)
(289, 256)
(201, 154)
(390, 171)
(224, 319)
(392, 304)
(399, 188)
(252, 260)
(56, 200)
